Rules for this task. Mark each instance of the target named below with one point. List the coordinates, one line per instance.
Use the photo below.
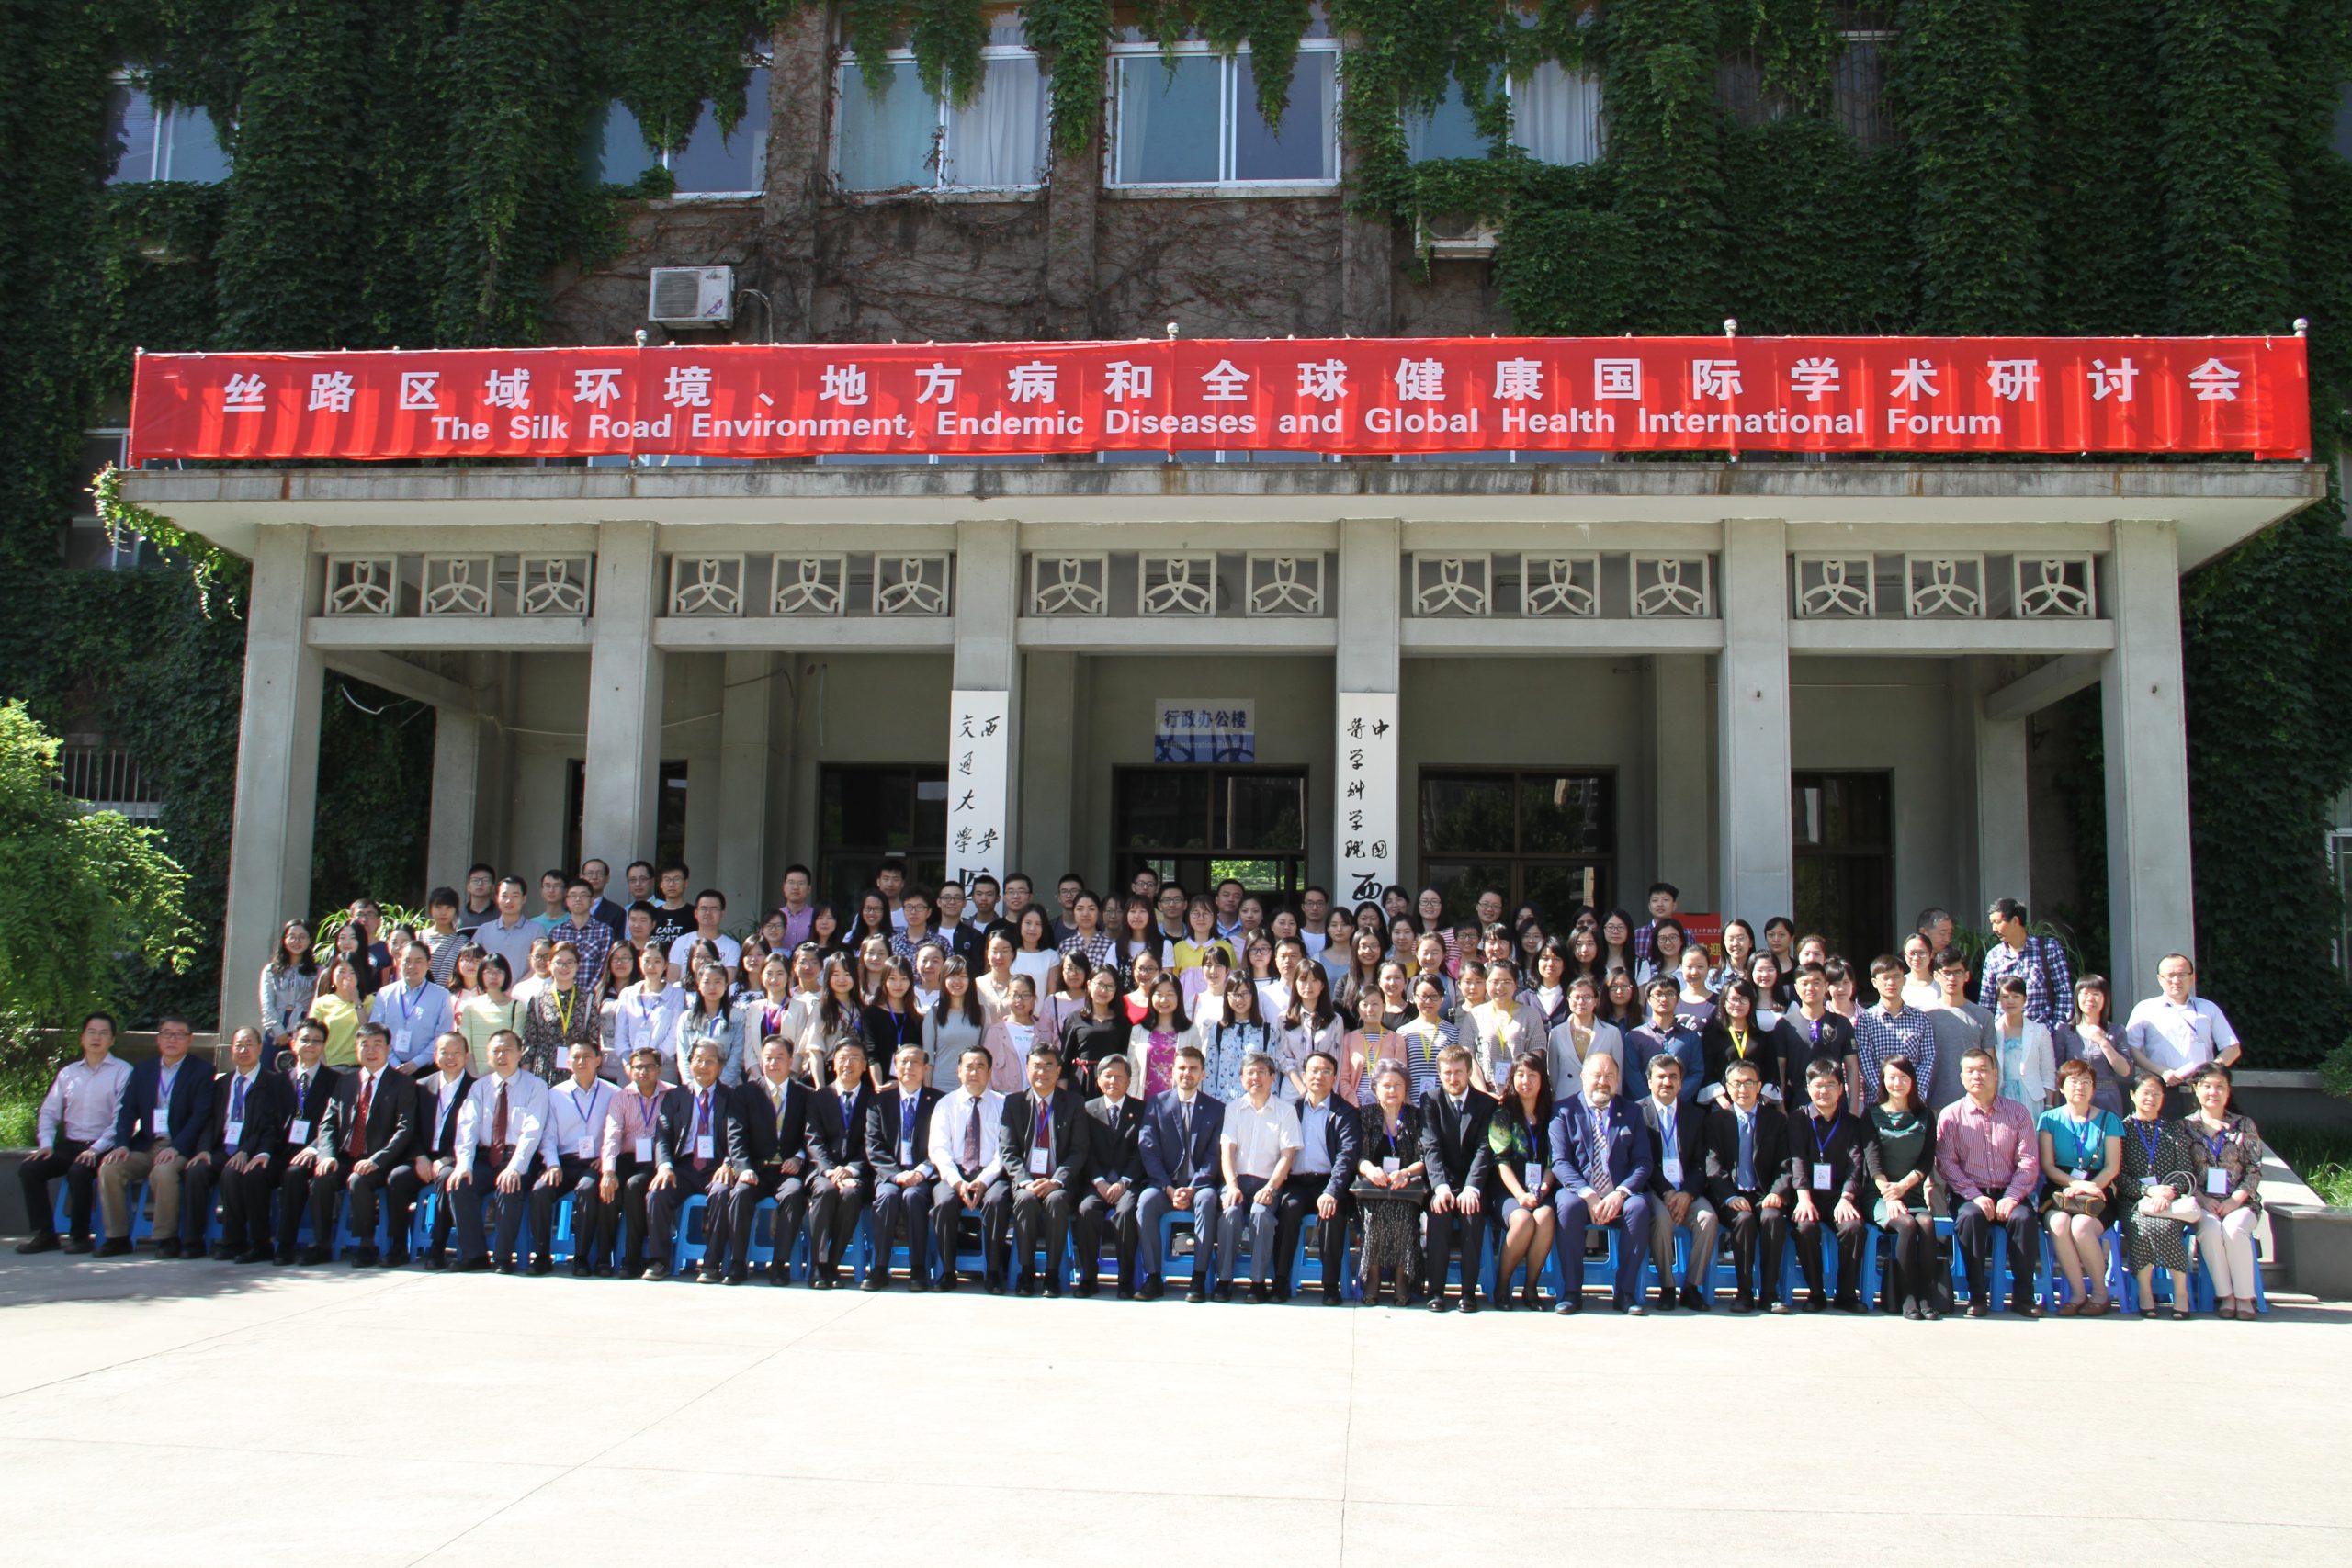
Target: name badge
(1390, 1164)
(1038, 1164)
(233, 1134)
(644, 1154)
(587, 1145)
(2081, 1175)
(2217, 1181)
(162, 1119)
(298, 1132)
(907, 1153)
(1534, 1179)
(705, 1148)
(1821, 1181)
(1672, 1165)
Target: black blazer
(437, 1137)
(760, 1132)
(1689, 1146)
(190, 1108)
(1456, 1146)
(1342, 1137)
(1116, 1152)
(1839, 1144)
(313, 1108)
(1073, 1138)
(1763, 1049)
(1769, 1158)
(269, 1104)
(673, 1140)
(835, 1139)
(885, 1117)
(391, 1133)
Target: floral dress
(2155, 1154)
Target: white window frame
(1511, 137)
(1228, 75)
(846, 68)
(751, 61)
(166, 135)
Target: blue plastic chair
(688, 1244)
(1195, 1266)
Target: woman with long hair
(290, 983)
(1899, 1158)
(489, 1013)
(1310, 1023)
(1519, 1139)
(959, 1020)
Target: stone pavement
(193, 1413)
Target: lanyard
(595, 1103)
(648, 1107)
(2084, 1132)
(410, 1002)
(563, 1001)
(1740, 1043)
(2152, 1136)
(2215, 1144)
(1821, 1143)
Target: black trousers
(403, 1188)
(663, 1205)
(591, 1222)
(1850, 1247)
(1748, 1226)
(362, 1190)
(197, 1181)
(1032, 1215)
(743, 1200)
(1092, 1215)
(1300, 1194)
(245, 1204)
(1445, 1231)
(833, 1220)
(1971, 1233)
(295, 1200)
(1913, 1278)
(947, 1213)
(476, 1199)
(635, 1214)
(81, 1186)
(908, 1207)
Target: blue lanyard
(2084, 1132)
(1821, 1143)
(2149, 1139)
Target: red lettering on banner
(1369, 396)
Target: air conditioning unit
(1453, 234)
(691, 296)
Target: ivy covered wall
(411, 173)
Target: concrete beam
(400, 677)
(481, 634)
(781, 634)
(2040, 687)
(1943, 637)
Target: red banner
(1336, 395)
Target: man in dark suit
(1749, 1183)
(837, 1155)
(1678, 1187)
(440, 1095)
(1825, 1164)
(1331, 1134)
(249, 1106)
(690, 1152)
(1045, 1143)
(166, 1107)
(1600, 1157)
(898, 1149)
(1455, 1118)
(314, 1087)
(1182, 1171)
(1113, 1178)
(367, 1134)
(967, 1131)
(768, 1146)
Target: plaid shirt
(1878, 1037)
(2041, 964)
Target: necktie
(907, 1123)
(498, 1120)
(237, 1101)
(1746, 1174)
(1045, 1128)
(775, 1101)
(1186, 1112)
(1597, 1161)
(357, 1142)
(972, 1135)
(301, 1093)
(702, 1120)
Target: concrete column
(988, 599)
(457, 795)
(1367, 661)
(277, 765)
(1053, 746)
(743, 708)
(1752, 750)
(2149, 893)
(2004, 843)
(624, 747)
(1682, 812)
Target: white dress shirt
(949, 1119)
(1258, 1136)
(576, 1118)
(730, 952)
(526, 1121)
(84, 1101)
(2175, 1038)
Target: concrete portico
(1690, 634)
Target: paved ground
(191, 1413)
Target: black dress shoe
(366, 1257)
(1196, 1294)
(1225, 1290)
(474, 1266)
(1084, 1290)
(1440, 1304)
(313, 1255)
(113, 1246)
(1694, 1298)
(1033, 1286)
(1126, 1292)
(873, 1281)
(1742, 1304)
(507, 1265)
(192, 1250)
(1978, 1309)
(1469, 1302)
(655, 1273)
(824, 1281)
(168, 1248)
(1662, 1302)
(284, 1259)
(42, 1241)
(1911, 1310)
(1331, 1298)
(78, 1244)
(778, 1274)
(582, 1270)
(1816, 1303)
(709, 1277)
(947, 1282)
(542, 1264)
(396, 1258)
(2025, 1309)
(918, 1286)
(994, 1286)
(1260, 1295)
(257, 1254)
(1151, 1289)
(1845, 1303)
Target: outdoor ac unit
(1454, 234)
(691, 296)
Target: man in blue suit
(1600, 1155)
(1181, 1172)
(165, 1108)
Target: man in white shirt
(710, 907)
(2174, 1032)
(967, 1150)
(414, 1012)
(572, 1165)
(1258, 1146)
(499, 1133)
(1314, 916)
(75, 1130)
(511, 934)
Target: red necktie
(357, 1142)
(498, 1120)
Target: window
(903, 139)
(88, 545)
(1555, 118)
(1843, 834)
(1858, 88)
(151, 143)
(1540, 836)
(1200, 825)
(735, 164)
(107, 778)
(866, 812)
(1191, 119)
(2344, 122)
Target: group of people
(1408, 1085)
